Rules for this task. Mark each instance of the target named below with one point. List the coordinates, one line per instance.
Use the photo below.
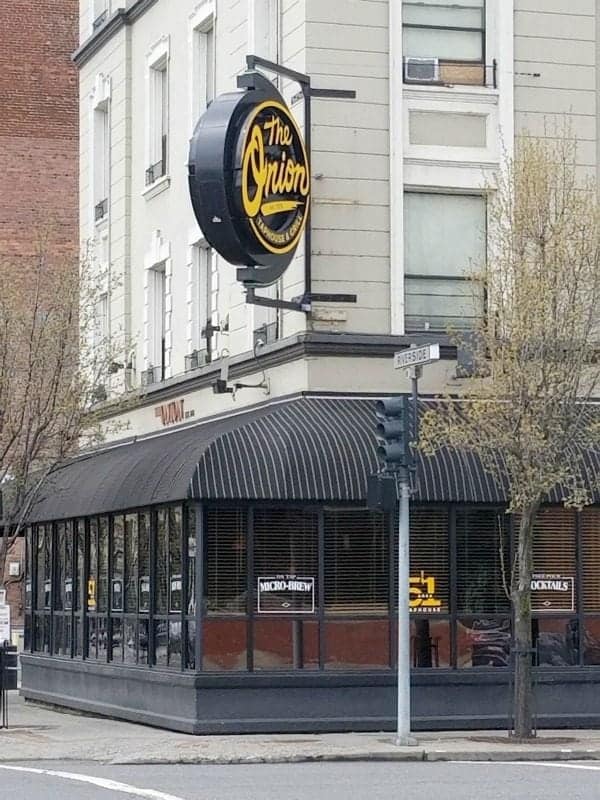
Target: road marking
(559, 764)
(102, 783)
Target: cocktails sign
(249, 179)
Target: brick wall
(39, 149)
(38, 124)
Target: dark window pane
(58, 640)
(142, 645)
(430, 642)
(191, 565)
(28, 633)
(356, 562)
(429, 565)
(144, 560)
(226, 561)
(482, 558)
(357, 644)
(273, 644)
(117, 640)
(557, 641)
(129, 642)
(68, 582)
(161, 642)
(175, 579)
(131, 562)
(483, 642)
(590, 558)
(81, 580)
(92, 648)
(174, 656)
(78, 637)
(190, 652)
(44, 567)
(92, 579)
(103, 564)
(162, 540)
(59, 543)
(118, 563)
(591, 641)
(224, 644)
(28, 569)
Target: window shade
(482, 554)
(554, 554)
(446, 44)
(356, 562)
(429, 563)
(285, 544)
(226, 561)
(590, 558)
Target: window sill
(160, 185)
(101, 223)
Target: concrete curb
(416, 755)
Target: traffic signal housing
(394, 432)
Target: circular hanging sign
(249, 178)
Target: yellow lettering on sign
(275, 177)
(421, 593)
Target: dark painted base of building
(310, 702)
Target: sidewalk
(42, 734)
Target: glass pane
(92, 648)
(161, 642)
(553, 585)
(175, 578)
(78, 637)
(129, 642)
(59, 544)
(103, 564)
(442, 44)
(131, 562)
(190, 652)
(28, 633)
(162, 542)
(483, 642)
(191, 565)
(430, 643)
(117, 640)
(357, 644)
(68, 580)
(226, 561)
(118, 564)
(175, 643)
(142, 641)
(438, 304)
(224, 644)
(356, 562)
(457, 15)
(591, 641)
(483, 561)
(428, 561)
(144, 556)
(557, 641)
(285, 560)
(93, 569)
(444, 234)
(58, 643)
(80, 577)
(590, 558)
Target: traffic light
(394, 432)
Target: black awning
(303, 449)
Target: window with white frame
(101, 321)
(157, 314)
(101, 159)
(203, 318)
(444, 42)
(158, 120)
(100, 10)
(203, 66)
(444, 243)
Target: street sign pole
(412, 360)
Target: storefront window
(357, 644)
(429, 562)
(482, 561)
(483, 641)
(118, 565)
(554, 561)
(590, 558)
(356, 562)
(429, 642)
(144, 564)
(556, 641)
(175, 561)
(226, 561)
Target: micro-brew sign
(286, 594)
(249, 178)
(552, 592)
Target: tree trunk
(521, 603)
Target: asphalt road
(327, 781)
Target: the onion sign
(249, 179)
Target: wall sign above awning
(249, 178)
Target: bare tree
(524, 411)
(53, 367)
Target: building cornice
(305, 345)
(113, 24)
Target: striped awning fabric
(306, 448)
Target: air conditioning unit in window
(421, 70)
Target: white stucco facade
(394, 137)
